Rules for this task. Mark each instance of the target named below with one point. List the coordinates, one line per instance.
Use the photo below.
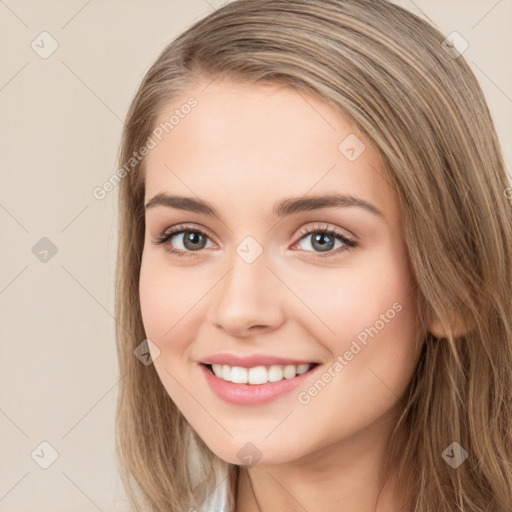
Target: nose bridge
(248, 294)
(247, 282)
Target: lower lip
(252, 394)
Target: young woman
(314, 270)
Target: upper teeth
(258, 374)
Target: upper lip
(251, 360)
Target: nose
(248, 300)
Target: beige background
(61, 120)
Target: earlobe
(457, 325)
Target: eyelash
(164, 239)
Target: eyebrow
(281, 208)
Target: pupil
(323, 246)
(192, 239)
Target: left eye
(322, 241)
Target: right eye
(190, 239)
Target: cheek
(170, 303)
(171, 312)
(370, 291)
(367, 315)
(372, 311)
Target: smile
(255, 385)
(258, 374)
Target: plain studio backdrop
(69, 70)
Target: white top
(216, 502)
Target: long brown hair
(422, 108)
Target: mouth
(256, 385)
(258, 375)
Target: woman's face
(259, 277)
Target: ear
(458, 326)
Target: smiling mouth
(259, 374)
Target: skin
(241, 149)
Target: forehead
(261, 143)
